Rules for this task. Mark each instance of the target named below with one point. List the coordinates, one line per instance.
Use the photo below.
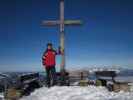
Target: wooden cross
(61, 22)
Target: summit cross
(61, 23)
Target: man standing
(49, 61)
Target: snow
(77, 93)
(1, 96)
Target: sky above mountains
(105, 38)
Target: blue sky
(105, 38)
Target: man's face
(49, 47)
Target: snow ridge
(77, 93)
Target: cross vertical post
(62, 35)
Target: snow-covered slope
(77, 93)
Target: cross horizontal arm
(57, 22)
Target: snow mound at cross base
(77, 93)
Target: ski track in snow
(77, 93)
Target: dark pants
(51, 75)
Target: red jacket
(48, 58)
